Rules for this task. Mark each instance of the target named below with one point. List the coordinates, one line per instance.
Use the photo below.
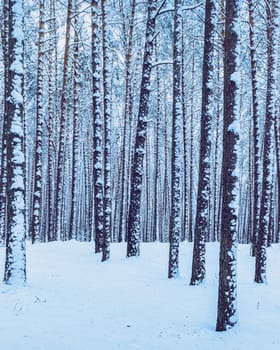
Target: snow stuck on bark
(15, 255)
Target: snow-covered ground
(72, 301)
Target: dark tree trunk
(97, 137)
(128, 116)
(37, 191)
(58, 205)
(3, 178)
(133, 227)
(256, 132)
(268, 159)
(52, 114)
(15, 264)
(227, 312)
(175, 219)
(107, 141)
(277, 142)
(191, 183)
(203, 196)
(75, 140)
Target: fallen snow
(72, 301)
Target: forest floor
(72, 301)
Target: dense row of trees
(141, 121)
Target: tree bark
(15, 263)
(175, 219)
(203, 197)
(268, 159)
(133, 227)
(227, 309)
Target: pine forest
(140, 174)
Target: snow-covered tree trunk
(256, 131)
(268, 153)
(58, 203)
(75, 137)
(128, 115)
(227, 298)
(191, 154)
(203, 197)
(176, 160)
(3, 178)
(133, 226)
(185, 141)
(107, 201)
(218, 130)
(97, 130)
(15, 264)
(35, 227)
(52, 109)
(155, 225)
(277, 140)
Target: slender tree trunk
(203, 198)
(52, 109)
(75, 141)
(3, 178)
(191, 190)
(37, 192)
(277, 141)
(107, 201)
(185, 147)
(260, 271)
(58, 205)
(128, 115)
(175, 219)
(157, 162)
(256, 132)
(133, 229)
(15, 264)
(227, 311)
(97, 137)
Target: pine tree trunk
(58, 205)
(37, 191)
(268, 159)
(227, 311)
(256, 132)
(3, 178)
(191, 183)
(203, 196)
(133, 227)
(97, 137)
(75, 141)
(175, 219)
(15, 264)
(107, 201)
(277, 140)
(52, 109)
(128, 116)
